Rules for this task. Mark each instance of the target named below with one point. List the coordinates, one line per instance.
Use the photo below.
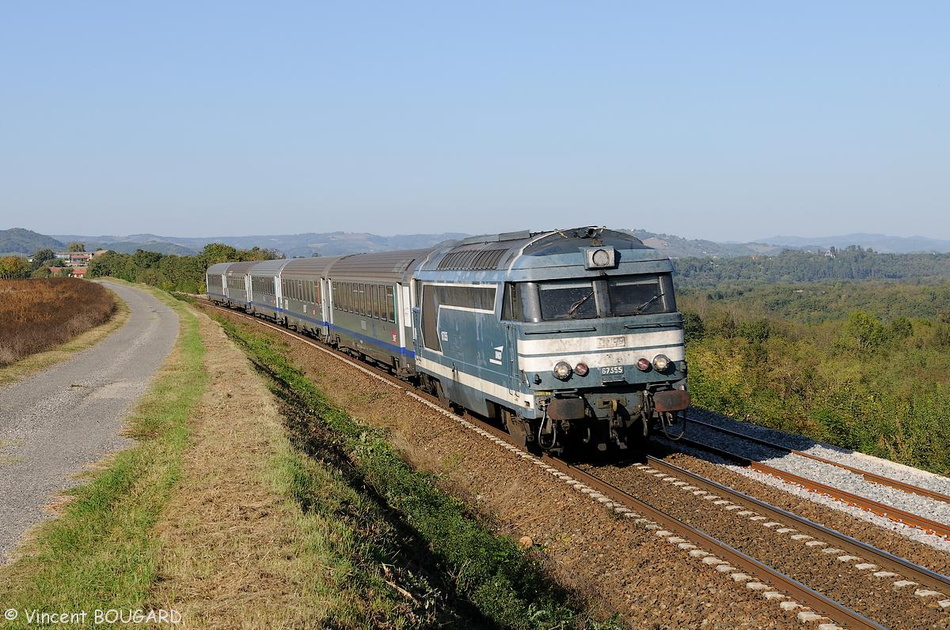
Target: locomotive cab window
(568, 300)
(622, 296)
(640, 295)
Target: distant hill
(329, 244)
(25, 242)
(129, 247)
(678, 247)
(339, 243)
(878, 242)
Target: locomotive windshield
(624, 296)
(572, 300)
(636, 296)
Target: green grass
(99, 554)
(458, 558)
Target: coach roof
(268, 268)
(382, 266)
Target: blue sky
(718, 120)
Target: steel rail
(874, 477)
(818, 602)
(922, 575)
(887, 511)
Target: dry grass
(42, 360)
(232, 547)
(39, 314)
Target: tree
(217, 253)
(694, 328)
(75, 247)
(865, 330)
(42, 256)
(146, 259)
(14, 267)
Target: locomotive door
(511, 350)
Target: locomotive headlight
(581, 369)
(661, 362)
(562, 370)
(600, 258)
(643, 364)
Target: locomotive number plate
(611, 342)
(612, 369)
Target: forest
(851, 263)
(862, 365)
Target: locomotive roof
(484, 253)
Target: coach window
(390, 305)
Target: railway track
(779, 519)
(875, 507)
(870, 476)
(807, 604)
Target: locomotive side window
(567, 300)
(434, 297)
(520, 302)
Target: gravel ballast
(825, 473)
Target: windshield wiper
(647, 303)
(576, 305)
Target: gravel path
(61, 420)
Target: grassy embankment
(363, 540)
(405, 525)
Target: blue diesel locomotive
(568, 338)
